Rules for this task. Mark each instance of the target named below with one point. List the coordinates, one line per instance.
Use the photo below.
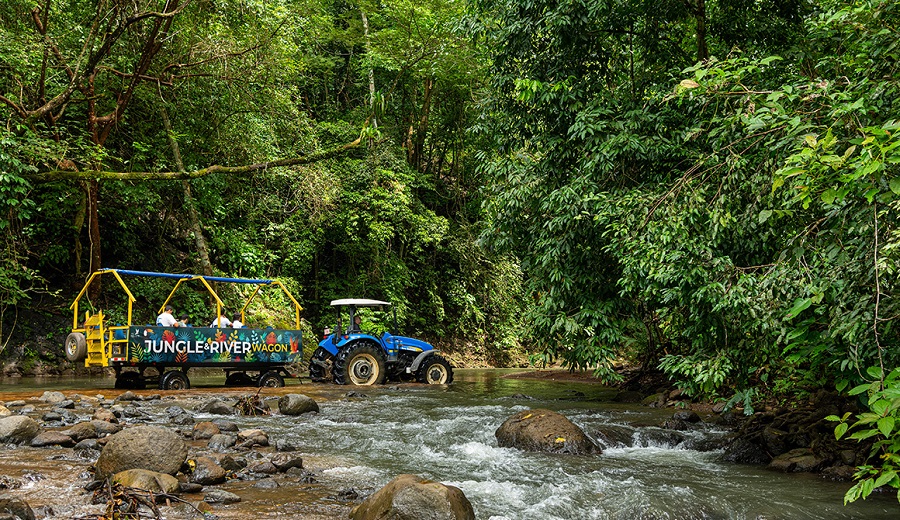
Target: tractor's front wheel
(319, 365)
(359, 364)
(435, 371)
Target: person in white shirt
(221, 321)
(166, 319)
(236, 320)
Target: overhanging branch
(60, 175)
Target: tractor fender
(414, 367)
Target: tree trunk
(700, 15)
(196, 228)
(94, 233)
(374, 121)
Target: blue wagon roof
(175, 276)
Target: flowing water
(360, 442)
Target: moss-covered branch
(60, 175)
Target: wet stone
(15, 508)
(126, 396)
(218, 496)
(283, 445)
(286, 461)
(106, 428)
(81, 431)
(262, 466)
(66, 416)
(52, 397)
(182, 419)
(217, 407)
(87, 445)
(15, 404)
(221, 442)
(204, 430)
(51, 417)
(51, 438)
(225, 425)
(207, 472)
(266, 483)
(190, 487)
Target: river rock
(544, 431)
(149, 480)
(286, 461)
(207, 472)
(264, 466)
(18, 429)
(142, 447)
(800, 460)
(204, 430)
(4, 411)
(221, 442)
(226, 425)
(82, 431)
(105, 428)
(102, 414)
(659, 437)
(52, 397)
(296, 404)
(52, 438)
(217, 407)
(126, 396)
(87, 447)
(218, 496)
(51, 417)
(615, 436)
(744, 451)
(410, 497)
(15, 509)
(689, 416)
(253, 437)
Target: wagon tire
(174, 380)
(271, 379)
(435, 370)
(76, 347)
(130, 381)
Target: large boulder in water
(18, 429)
(410, 497)
(142, 447)
(544, 431)
(296, 404)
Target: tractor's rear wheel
(359, 364)
(435, 371)
(76, 347)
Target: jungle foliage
(166, 86)
(706, 187)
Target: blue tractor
(356, 356)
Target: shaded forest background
(703, 187)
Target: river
(360, 442)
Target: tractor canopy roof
(359, 302)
